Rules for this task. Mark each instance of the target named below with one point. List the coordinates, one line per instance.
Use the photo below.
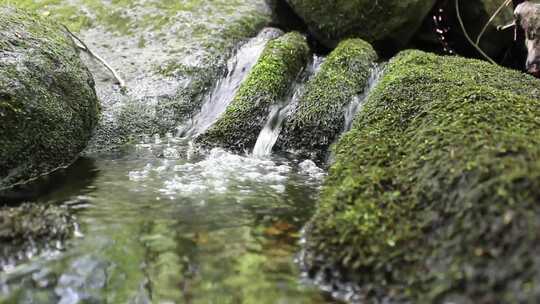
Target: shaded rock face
(268, 84)
(48, 105)
(319, 117)
(475, 15)
(170, 53)
(385, 23)
(434, 193)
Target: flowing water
(358, 101)
(238, 68)
(164, 224)
(279, 112)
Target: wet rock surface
(48, 105)
(170, 53)
(434, 193)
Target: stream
(162, 223)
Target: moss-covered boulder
(48, 106)
(435, 193)
(390, 23)
(268, 83)
(320, 115)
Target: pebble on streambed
(29, 229)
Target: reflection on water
(166, 225)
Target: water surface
(162, 223)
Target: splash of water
(279, 112)
(358, 101)
(270, 133)
(223, 93)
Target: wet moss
(320, 115)
(48, 105)
(435, 192)
(268, 83)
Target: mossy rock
(267, 84)
(435, 191)
(170, 54)
(320, 115)
(48, 105)
(387, 23)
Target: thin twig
(505, 27)
(497, 12)
(85, 48)
(469, 37)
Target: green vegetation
(48, 105)
(319, 117)
(268, 83)
(435, 191)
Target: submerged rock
(435, 192)
(29, 228)
(48, 105)
(386, 23)
(320, 115)
(267, 84)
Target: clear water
(165, 224)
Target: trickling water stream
(279, 112)
(358, 101)
(238, 68)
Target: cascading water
(270, 133)
(279, 112)
(358, 101)
(238, 68)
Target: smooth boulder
(48, 105)
(388, 24)
(434, 195)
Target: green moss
(48, 105)
(268, 83)
(390, 21)
(435, 191)
(319, 117)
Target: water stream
(163, 224)
(238, 68)
(358, 101)
(279, 112)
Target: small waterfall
(358, 101)
(270, 133)
(221, 96)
